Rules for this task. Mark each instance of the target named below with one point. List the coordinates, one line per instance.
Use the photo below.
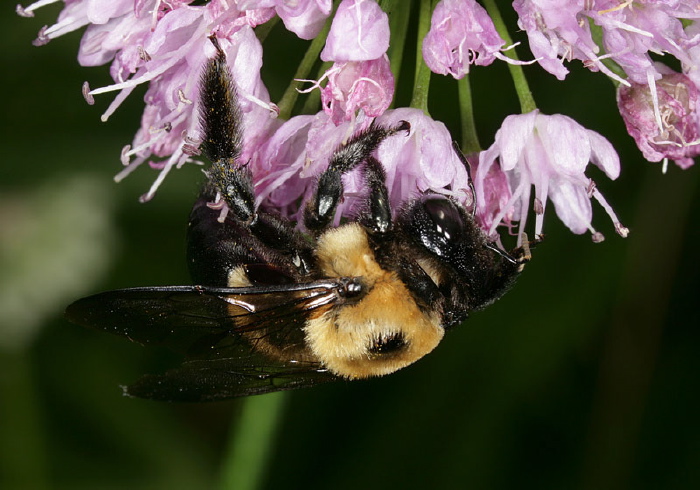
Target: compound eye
(447, 224)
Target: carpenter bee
(277, 308)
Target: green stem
(262, 31)
(286, 103)
(597, 35)
(470, 140)
(251, 442)
(421, 84)
(527, 102)
(398, 24)
(23, 462)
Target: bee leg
(379, 218)
(271, 251)
(274, 250)
(320, 210)
(220, 120)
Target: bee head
(469, 270)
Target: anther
(125, 155)
(537, 206)
(621, 230)
(181, 96)
(87, 95)
(143, 54)
(22, 12)
(41, 38)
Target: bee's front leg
(320, 210)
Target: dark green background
(585, 375)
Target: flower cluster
(165, 44)
(630, 32)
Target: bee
(277, 308)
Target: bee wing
(220, 331)
(221, 379)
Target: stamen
(161, 176)
(537, 206)
(221, 205)
(121, 97)
(619, 228)
(190, 139)
(29, 11)
(590, 188)
(624, 4)
(129, 168)
(86, 93)
(597, 237)
(68, 24)
(175, 57)
(223, 214)
(127, 151)
(143, 54)
(181, 96)
(364, 79)
(124, 157)
(623, 231)
(274, 110)
(316, 84)
(41, 38)
(517, 195)
(651, 82)
(499, 55)
(166, 127)
(191, 150)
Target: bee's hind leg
(268, 247)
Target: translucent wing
(236, 341)
(221, 379)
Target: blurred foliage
(583, 376)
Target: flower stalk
(252, 439)
(289, 98)
(421, 82)
(522, 89)
(470, 139)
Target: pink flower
(461, 33)
(360, 32)
(557, 31)
(296, 155)
(631, 32)
(281, 167)
(495, 193)
(550, 153)
(674, 133)
(305, 18)
(422, 161)
(360, 78)
(177, 49)
(692, 69)
(76, 14)
(166, 45)
(358, 85)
